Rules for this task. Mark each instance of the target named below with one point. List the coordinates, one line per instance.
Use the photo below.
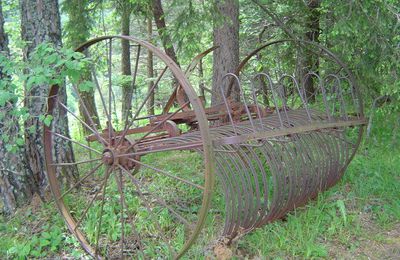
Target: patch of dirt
(222, 252)
(375, 243)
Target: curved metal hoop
(205, 144)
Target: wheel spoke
(109, 61)
(127, 126)
(163, 203)
(103, 197)
(75, 163)
(118, 180)
(158, 125)
(75, 142)
(123, 203)
(81, 180)
(194, 145)
(90, 205)
(95, 132)
(147, 204)
(167, 174)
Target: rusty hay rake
(285, 126)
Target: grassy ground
(359, 218)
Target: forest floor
(359, 218)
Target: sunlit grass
(357, 211)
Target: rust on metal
(272, 151)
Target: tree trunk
(78, 29)
(16, 181)
(311, 62)
(201, 83)
(158, 13)
(40, 22)
(127, 87)
(226, 57)
(150, 69)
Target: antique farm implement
(287, 124)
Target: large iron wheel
(128, 203)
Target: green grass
(353, 219)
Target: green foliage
(46, 66)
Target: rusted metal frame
(258, 207)
(195, 61)
(158, 125)
(138, 130)
(212, 113)
(229, 161)
(243, 198)
(266, 188)
(247, 170)
(246, 157)
(283, 175)
(228, 109)
(299, 172)
(242, 222)
(310, 145)
(331, 153)
(228, 188)
(270, 151)
(262, 210)
(290, 178)
(326, 53)
(134, 118)
(288, 131)
(204, 132)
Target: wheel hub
(120, 155)
(109, 157)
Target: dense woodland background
(37, 39)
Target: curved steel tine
(241, 92)
(338, 89)
(323, 92)
(253, 91)
(226, 102)
(305, 102)
(353, 96)
(283, 96)
(271, 84)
